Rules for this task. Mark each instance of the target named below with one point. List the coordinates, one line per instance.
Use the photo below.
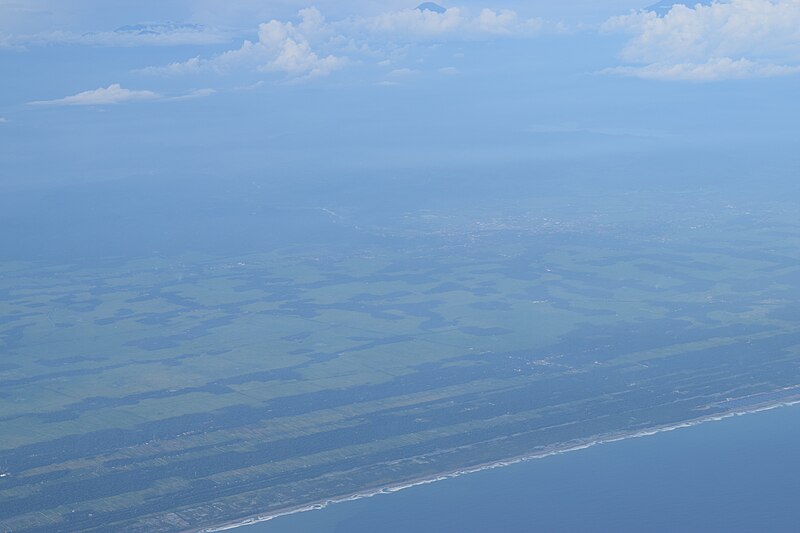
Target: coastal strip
(557, 449)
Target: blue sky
(98, 90)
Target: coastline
(557, 449)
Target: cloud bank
(314, 46)
(150, 34)
(734, 40)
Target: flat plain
(181, 390)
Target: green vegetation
(177, 392)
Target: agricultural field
(178, 391)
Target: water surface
(734, 475)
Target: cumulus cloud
(116, 94)
(292, 49)
(315, 47)
(717, 41)
(288, 47)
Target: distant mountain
(430, 6)
(159, 28)
(662, 8)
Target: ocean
(734, 475)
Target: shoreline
(557, 449)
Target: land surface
(181, 389)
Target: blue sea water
(735, 475)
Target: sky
(96, 90)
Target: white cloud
(116, 94)
(454, 23)
(394, 77)
(178, 68)
(401, 73)
(506, 22)
(281, 47)
(113, 94)
(738, 39)
(4, 120)
(413, 22)
(315, 47)
(288, 47)
(191, 95)
(723, 68)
